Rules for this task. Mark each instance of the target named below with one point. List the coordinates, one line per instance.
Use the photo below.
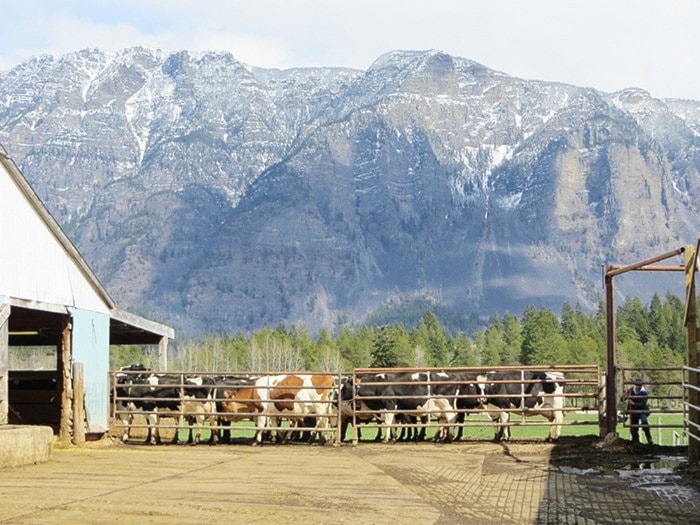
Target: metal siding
(36, 265)
(90, 346)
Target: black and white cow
(469, 395)
(406, 397)
(352, 410)
(529, 393)
(124, 407)
(162, 395)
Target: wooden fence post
(78, 405)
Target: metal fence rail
(582, 393)
(690, 411)
(200, 407)
(665, 387)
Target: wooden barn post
(163, 353)
(64, 356)
(611, 373)
(691, 326)
(78, 404)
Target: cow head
(480, 386)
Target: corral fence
(227, 403)
(582, 393)
(224, 403)
(666, 389)
(690, 410)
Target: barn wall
(36, 266)
(90, 346)
(4, 334)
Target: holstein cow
(527, 392)
(124, 408)
(407, 397)
(161, 395)
(467, 391)
(350, 409)
(291, 396)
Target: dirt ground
(577, 480)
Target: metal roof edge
(142, 323)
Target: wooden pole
(611, 374)
(78, 405)
(163, 353)
(692, 332)
(64, 359)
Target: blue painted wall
(90, 346)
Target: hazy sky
(604, 44)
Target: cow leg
(198, 422)
(224, 431)
(505, 428)
(555, 428)
(182, 422)
(213, 428)
(127, 421)
(501, 431)
(460, 428)
(322, 425)
(153, 436)
(280, 435)
(421, 432)
(344, 424)
(261, 423)
(389, 423)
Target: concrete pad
(25, 445)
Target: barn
(51, 300)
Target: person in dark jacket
(638, 410)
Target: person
(638, 410)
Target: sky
(608, 45)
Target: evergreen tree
(542, 339)
(512, 338)
(570, 322)
(435, 339)
(634, 314)
(384, 351)
(494, 344)
(464, 352)
(479, 348)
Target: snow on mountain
(217, 195)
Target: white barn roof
(40, 267)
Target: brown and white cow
(289, 396)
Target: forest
(648, 335)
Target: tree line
(648, 335)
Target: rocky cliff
(213, 195)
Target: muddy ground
(577, 480)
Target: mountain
(213, 195)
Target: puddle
(654, 474)
(661, 466)
(579, 471)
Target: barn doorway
(35, 363)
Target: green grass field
(576, 424)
